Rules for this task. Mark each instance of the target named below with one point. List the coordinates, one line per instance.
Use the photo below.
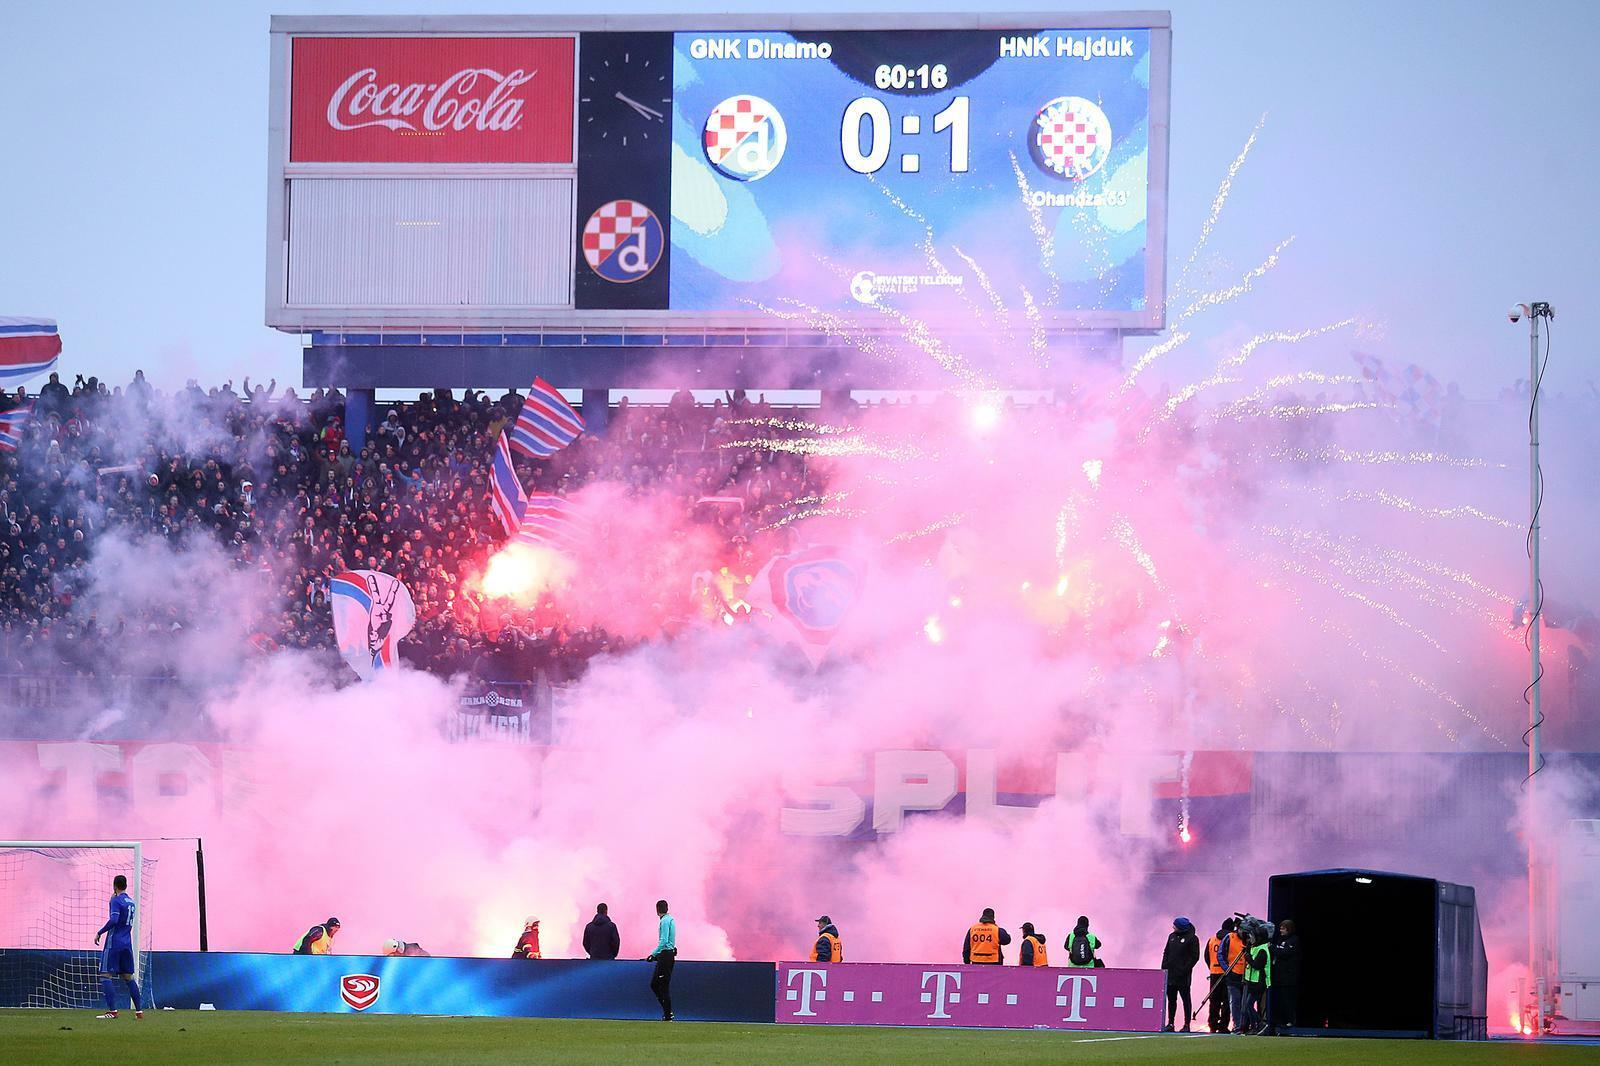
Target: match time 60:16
(923, 77)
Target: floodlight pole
(1535, 608)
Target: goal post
(53, 898)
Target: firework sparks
(1219, 297)
(946, 522)
(1218, 202)
(1379, 457)
(1240, 357)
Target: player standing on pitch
(664, 956)
(117, 958)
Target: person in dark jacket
(1083, 947)
(1033, 951)
(1285, 998)
(600, 937)
(1217, 992)
(1179, 959)
(828, 948)
(984, 943)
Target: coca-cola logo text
(476, 98)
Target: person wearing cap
(318, 940)
(528, 943)
(1178, 959)
(828, 947)
(985, 942)
(1032, 952)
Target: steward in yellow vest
(982, 944)
(827, 948)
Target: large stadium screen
(498, 176)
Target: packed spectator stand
(270, 477)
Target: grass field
(44, 1036)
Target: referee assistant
(665, 954)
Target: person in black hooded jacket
(1179, 959)
(600, 937)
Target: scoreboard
(716, 171)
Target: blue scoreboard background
(724, 175)
(871, 141)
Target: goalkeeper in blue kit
(116, 960)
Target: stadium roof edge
(836, 21)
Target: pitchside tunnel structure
(1385, 954)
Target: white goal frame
(135, 883)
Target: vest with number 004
(835, 949)
(1041, 957)
(1258, 971)
(1214, 954)
(983, 942)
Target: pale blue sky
(1435, 162)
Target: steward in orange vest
(1033, 951)
(982, 944)
(827, 948)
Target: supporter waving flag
(547, 423)
(28, 346)
(11, 425)
(550, 522)
(506, 496)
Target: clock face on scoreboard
(624, 91)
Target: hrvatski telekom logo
(359, 990)
(476, 98)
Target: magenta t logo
(939, 997)
(1078, 981)
(804, 993)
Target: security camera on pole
(1535, 607)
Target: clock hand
(647, 112)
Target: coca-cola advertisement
(431, 100)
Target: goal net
(54, 897)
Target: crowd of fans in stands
(271, 477)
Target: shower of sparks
(1379, 457)
(1066, 518)
(1289, 411)
(1122, 530)
(1283, 381)
(933, 527)
(1038, 343)
(1219, 297)
(1364, 600)
(1041, 233)
(1403, 503)
(1239, 358)
(1346, 637)
(793, 426)
(1002, 312)
(1306, 726)
(1156, 351)
(1390, 569)
(1091, 470)
(831, 447)
(1217, 202)
(812, 512)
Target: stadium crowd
(271, 477)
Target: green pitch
(75, 1037)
